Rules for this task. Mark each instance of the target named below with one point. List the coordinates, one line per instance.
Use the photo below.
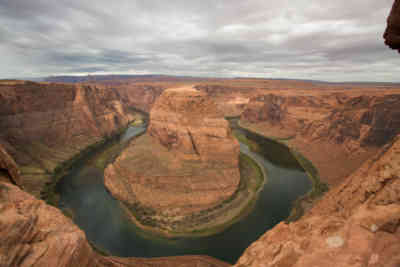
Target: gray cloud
(328, 40)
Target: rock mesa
(187, 161)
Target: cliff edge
(186, 162)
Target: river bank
(305, 202)
(49, 193)
(211, 221)
(109, 227)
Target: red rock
(355, 224)
(231, 100)
(35, 234)
(345, 128)
(187, 162)
(44, 124)
(139, 96)
(9, 167)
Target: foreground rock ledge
(186, 163)
(355, 224)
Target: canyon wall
(392, 33)
(44, 124)
(355, 224)
(231, 100)
(187, 161)
(35, 234)
(337, 131)
(141, 97)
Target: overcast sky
(339, 40)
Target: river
(95, 211)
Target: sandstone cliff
(187, 162)
(337, 131)
(231, 100)
(355, 224)
(35, 234)
(392, 33)
(141, 96)
(44, 124)
(8, 168)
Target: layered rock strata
(35, 234)
(44, 124)
(141, 97)
(392, 33)
(8, 168)
(187, 161)
(355, 224)
(337, 131)
(232, 101)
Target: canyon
(345, 128)
(364, 127)
(45, 124)
(353, 131)
(355, 224)
(187, 162)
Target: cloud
(328, 40)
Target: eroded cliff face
(187, 162)
(44, 124)
(337, 131)
(141, 97)
(355, 224)
(392, 33)
(35, 234)
(9, 171)
(188, 122)
(232, 101)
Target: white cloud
(329, 40)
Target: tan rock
(9, 168)
(355, 224)
(188, 160)
(35, 234)
(44, 124)
(344, 128)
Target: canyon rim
(354, 129)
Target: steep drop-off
(35, 234)
(392, 33)
(45, 124)
(187, 162)
(337, 131)
(231, 100)
(42, 125)
(140, 96)
(355, 224)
